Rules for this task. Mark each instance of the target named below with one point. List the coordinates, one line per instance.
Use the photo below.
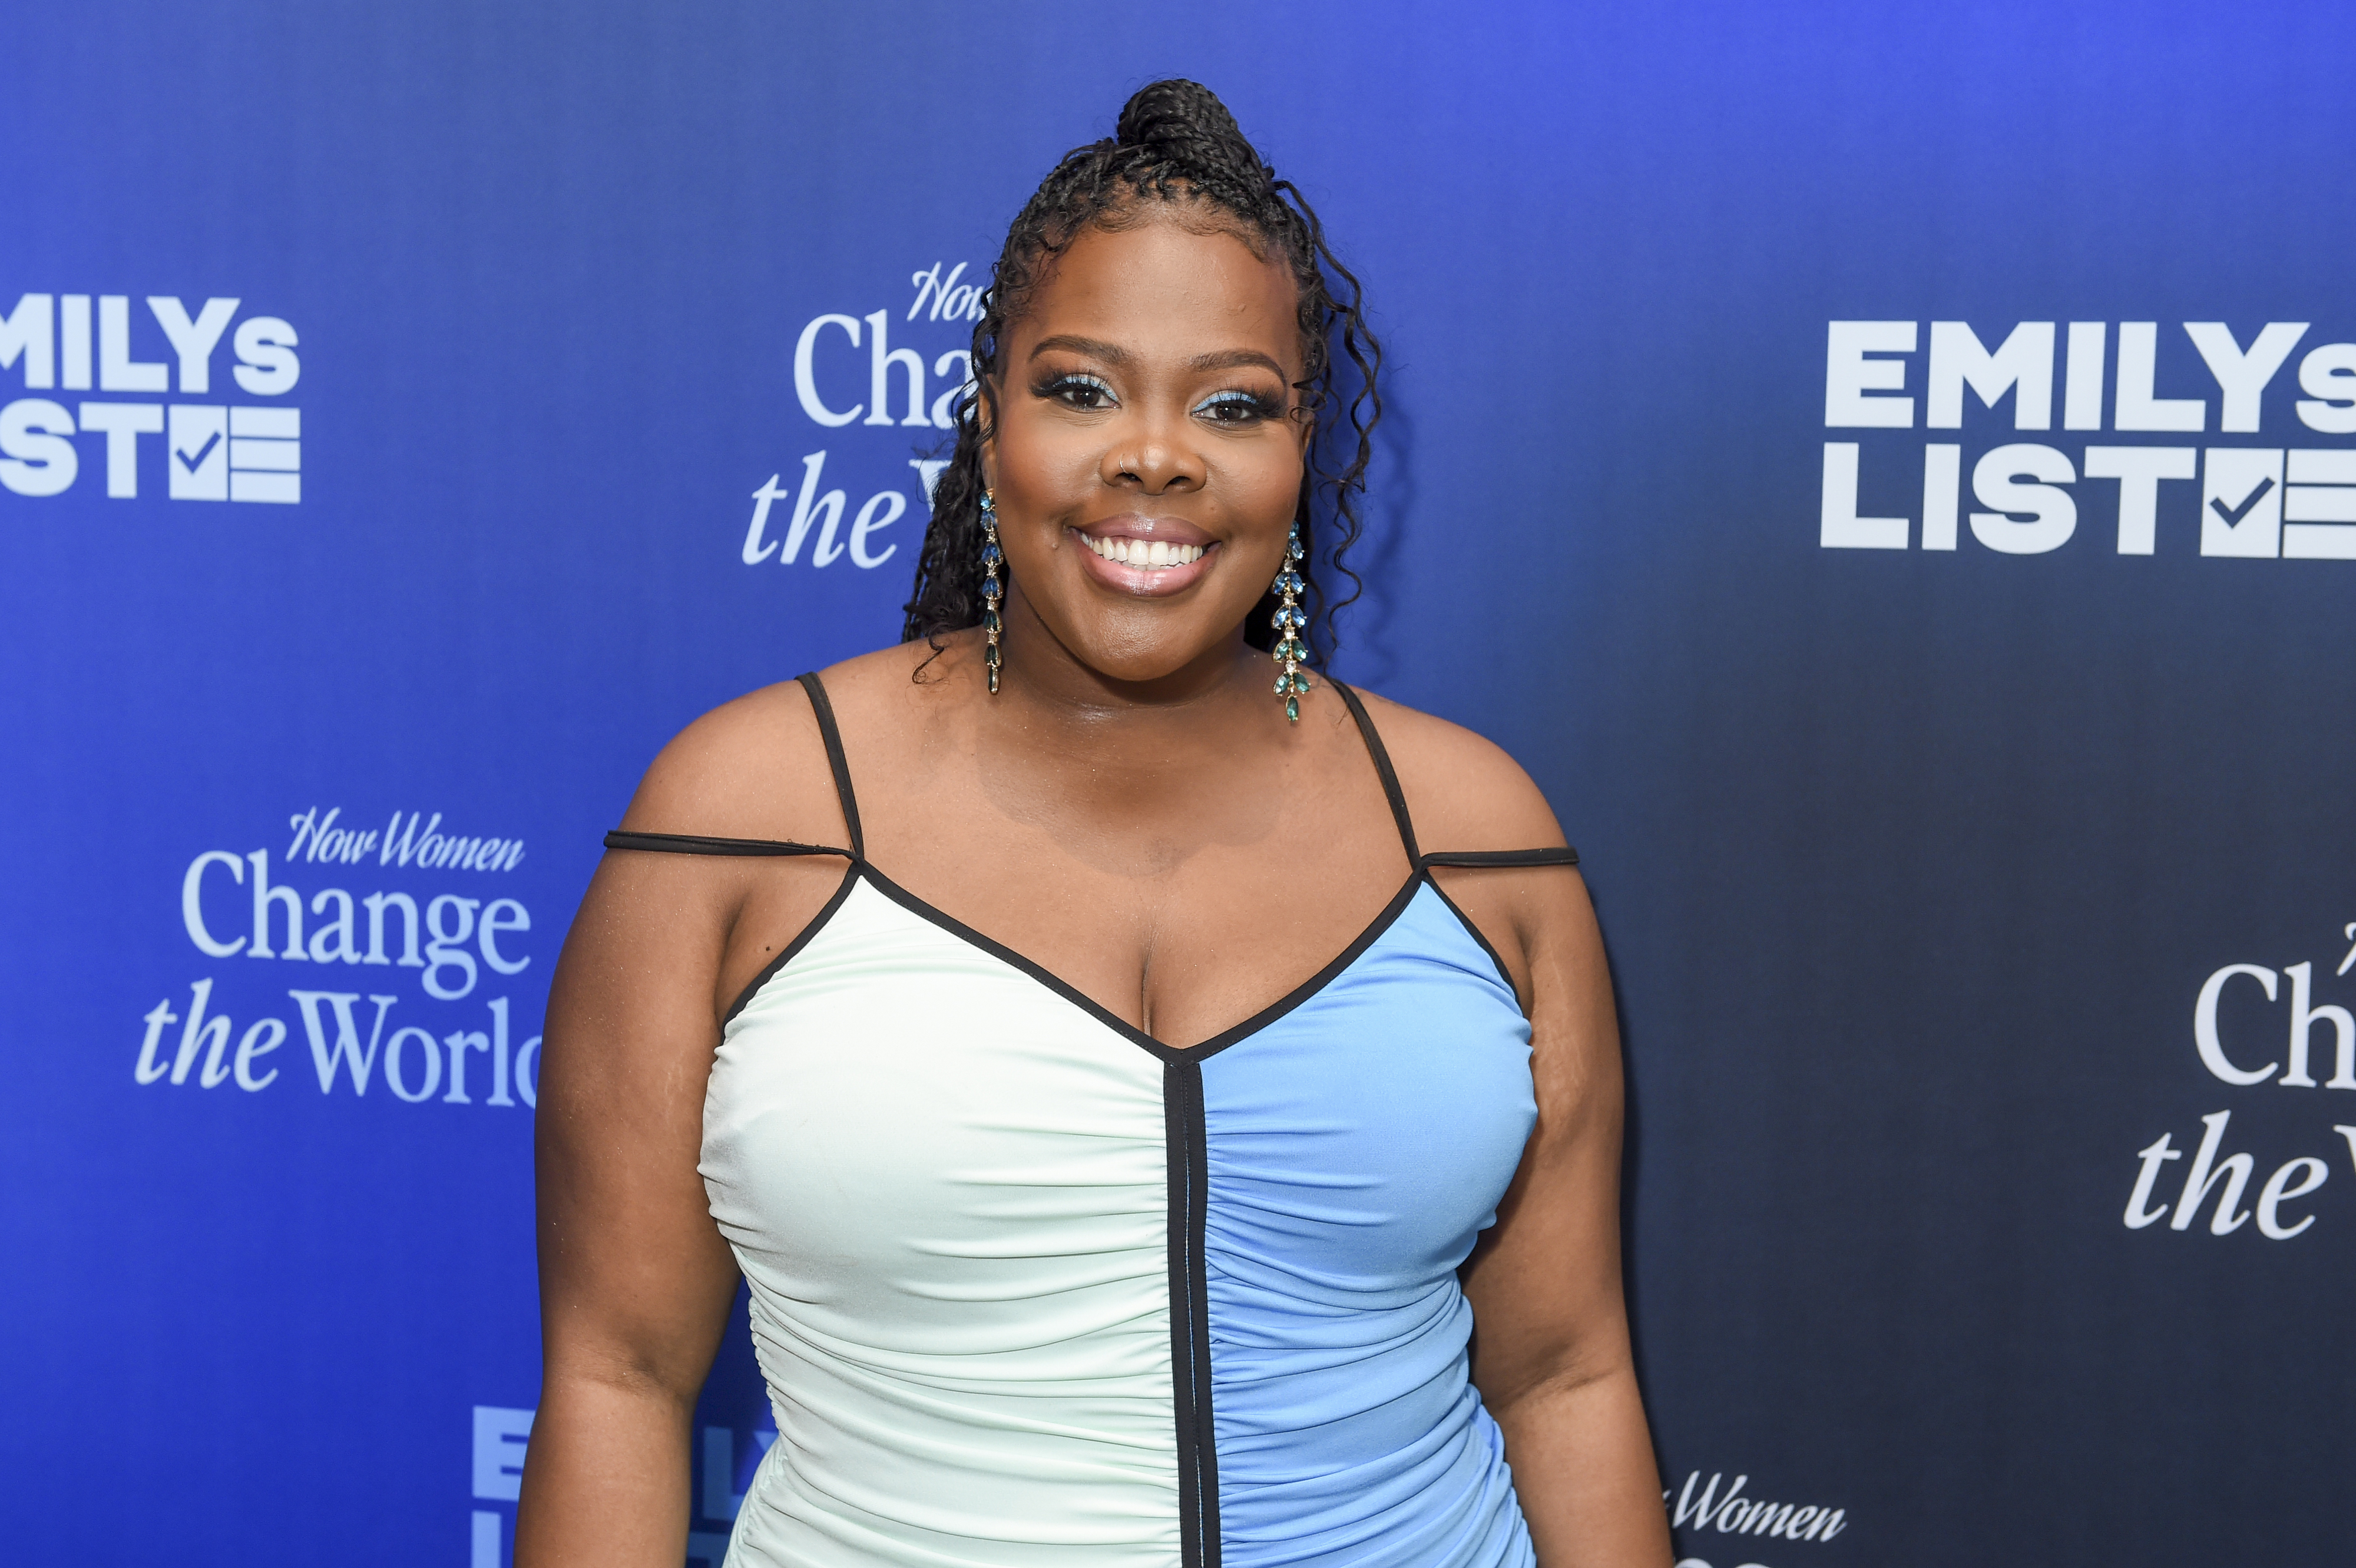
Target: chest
(1181, 921)
(903, 1103)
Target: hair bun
(1184, 123)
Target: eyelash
(1256, 406)
(1062, 388)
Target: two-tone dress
(1030, 1288)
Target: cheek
(1044, 462)
(1264, 481)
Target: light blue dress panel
(1357, 1146)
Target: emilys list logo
(2271, 502)
(210, 451)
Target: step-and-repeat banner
(1892, 478)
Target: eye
(1236, 406)
(1080, 390)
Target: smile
(1144, 554)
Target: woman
(1094, 1211)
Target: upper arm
(1544, 1282)
(636, 1281)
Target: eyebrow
(1234, 359)
(1113, 354)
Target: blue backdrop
(1888, 472)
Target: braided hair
(1175, 143)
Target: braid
(1175, 143)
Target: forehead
(1161, 288)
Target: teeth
(1144, 554)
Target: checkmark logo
(2236, 514)
(193, 464)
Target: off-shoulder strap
(696, 843)
(1561, 854)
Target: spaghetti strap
(1561, 855)
(697, 843)
(700, 844)
(1383, 770)
(835, 760)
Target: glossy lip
(1144, 582)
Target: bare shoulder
(1467, 795)
(756, 767)
(1463, 789)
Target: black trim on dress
(1383, 769)
(697, 843)
(1505, 975)
(839, 765)
(1187, 1144)
(1185, 1127)
(786, 954)
(1114, 1021)
(1419, 865)
(1562, 855)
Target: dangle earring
(1292, 623)
(990, 592)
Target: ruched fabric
(946, 1190)
(951, 1184)
(1357, 1147)
(1031, 1289)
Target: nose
(1150, 454)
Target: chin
(1136, 665)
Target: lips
(1145, 556)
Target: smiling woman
(1119, 1117)
(1178, 175)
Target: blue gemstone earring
(990, 592)
(1291, 623)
